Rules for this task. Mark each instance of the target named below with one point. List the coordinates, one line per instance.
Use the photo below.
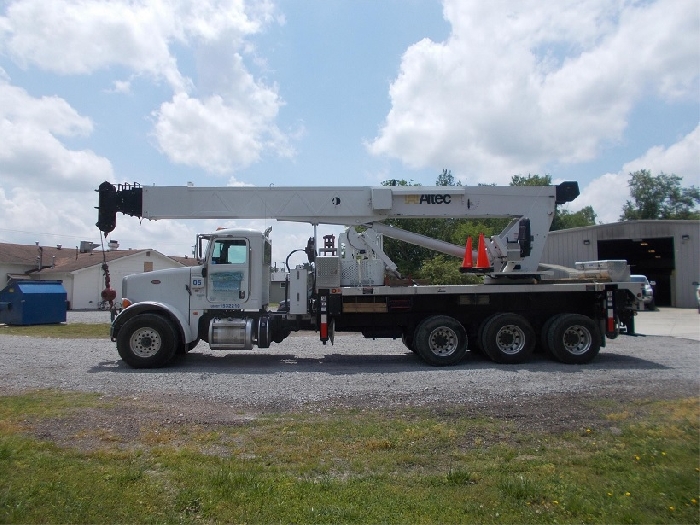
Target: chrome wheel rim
(577, 340)
(511, 340)
(145, 342)
(443, 341)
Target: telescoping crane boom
(518, 248)
(224, 299)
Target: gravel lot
(301, 372)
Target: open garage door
(651, 257)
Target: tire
(408, 340)
(264, 331)
(147, 341)
(476, 347)
(508, 338)
(441, 340)
(544, 334)
(574, 339)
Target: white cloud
(30, 149)
(233, 181)
(121, 86)
(608, 194)
(44, 185)
(216, 134)
(50, 216)
(52, 113)
(225, 122)
(80, 37)
(519, 85)
(70, 37)
(681, 158)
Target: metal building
(667, 252)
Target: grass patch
(67, 331)
(412, 466)
(45, 404)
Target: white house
(81, 271)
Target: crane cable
(108, 294)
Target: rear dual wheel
(546, 327)
(507, 338)
(407, 340)
(572, 338)
(440, 340)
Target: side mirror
(653, 283)
(199, 247)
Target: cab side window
(228, 251)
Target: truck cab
(235, 271)
(221, 301)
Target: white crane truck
(352, 286)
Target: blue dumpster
(33, 302)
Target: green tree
(447, 179)
(531, 180)
(444, 269)
(563, 218)
(398, 182)
(660, 197)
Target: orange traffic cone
(468, 261)
(482, 259)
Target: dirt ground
(125, 421)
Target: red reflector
(323, 328)
(155, 281)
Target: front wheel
(573, 339)
(147, 341)
(441, 340)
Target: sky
(332, 92)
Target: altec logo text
(429, 199)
